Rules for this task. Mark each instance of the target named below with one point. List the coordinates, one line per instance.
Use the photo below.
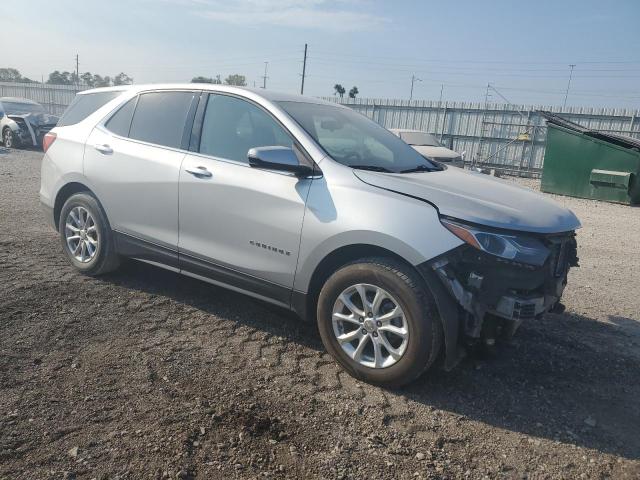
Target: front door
(240, 225)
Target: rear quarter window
(120, 122)
(84, 105)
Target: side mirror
(282, 159)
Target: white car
(23, 122)
(428, 146)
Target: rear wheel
(379, 322)
(86, 236)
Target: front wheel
(378, 320)
(9, 138)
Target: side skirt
(136, 248)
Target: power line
(450, 60)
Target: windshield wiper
(373, 168)
(421, 168)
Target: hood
(36, 119)
(478, 198)
(437, 153)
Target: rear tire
(415, 338)
(86, 236)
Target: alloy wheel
(370, 326)
(7, 138)
(81, 234)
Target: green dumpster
(585, 163)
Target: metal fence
(506, 137)
(54, 98)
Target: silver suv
(312, 207)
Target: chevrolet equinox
(310, 206)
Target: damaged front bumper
(492, 294)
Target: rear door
(238, 224)
(134, 163)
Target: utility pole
(264, 77)
(438, 114)
(413, 80)
(77, 72)
(478, 153)
(572, 66)
(304, 69)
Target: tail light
(48, 140)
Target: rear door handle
(200, 172)
(104, 148)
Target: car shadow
(566, 378)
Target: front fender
(354, 213)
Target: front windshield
(354, 140)
(419, 139)
(17, 108)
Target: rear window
(84, 105)
(160, 118)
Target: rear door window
(120, 122)
(233, 126)
(160, 118)
(84, 105)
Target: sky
(523, 49)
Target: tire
(405, 289)
(9, 139)
(99, 255)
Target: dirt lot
(147, 374)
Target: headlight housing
(508, 245)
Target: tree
(339, 89)
(64, 78)
(353, 92)
(91, 80)
(122, 79)
(215, 81)
(13, 75)
(201, 80)
(236, 79)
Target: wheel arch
(63, 194)
(305, 304)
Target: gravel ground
(148, 374)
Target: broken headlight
(509, 245)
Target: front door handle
(104, 148)
(200, 172)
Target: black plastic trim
(130, 246)
(278, 293)
(449, 315)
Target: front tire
(379, 321)
(9, 139)
(86, 236)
